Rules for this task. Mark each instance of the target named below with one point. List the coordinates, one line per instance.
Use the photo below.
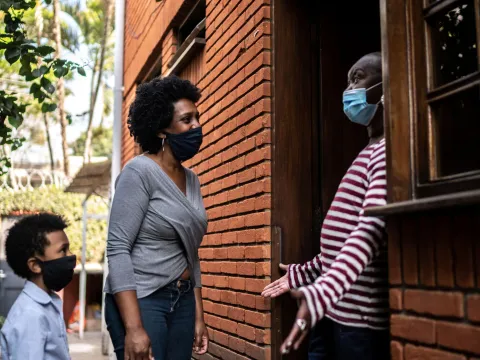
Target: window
(195, 17)
(446, 81)
(191, 39)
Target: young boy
(37, 249)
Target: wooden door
(314, 143)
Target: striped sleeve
(359, 250)
(304, 274)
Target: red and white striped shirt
(347, 281)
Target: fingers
(283, 267)
(150, 353)
(198, 343)
(297, 344)
(291, 338)
(204, 346)
(271, 286)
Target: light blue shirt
(34, 328)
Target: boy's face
(58, 246)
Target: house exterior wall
(234, 165)
(434, 277)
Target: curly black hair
(28, 237)
(152, 109)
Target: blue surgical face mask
(356, 107)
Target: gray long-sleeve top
(154, 230)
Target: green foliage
(54, 200)
(37, 68)
(101, 142)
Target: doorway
(314, 46)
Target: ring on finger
(302, 324)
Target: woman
(157, 222)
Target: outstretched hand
(279, 286)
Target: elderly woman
(157, 222)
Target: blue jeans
(332, 341)
(168, 317)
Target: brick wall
(234, 169)
(434, 276)
(234, 165)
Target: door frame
(314, 45)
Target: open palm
(279, 286)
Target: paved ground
(90, 348)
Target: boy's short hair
(28, 237)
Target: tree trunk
(106, 32)
(60, 87)
(49, 142)
(88, 138)
(39, 27)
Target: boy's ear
(34, 266)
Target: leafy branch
(39, 68)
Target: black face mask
(58, 273)
(185, 145)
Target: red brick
(229, 238)
(228, 267)
(246, 332)
(246, 300)
(396, 350)
(220, 338)
(257, 252)
(257, 318)
(220, 281)
(236, 344)
(228, 297)
(236, 252)
(396, 299)
(459, 337)
(246, 269)
(220, 253)
(413, 328)
(256, 285)
(437, 303)
(263, 336)
(247, 236)
(255, 351)
(473, 307)
(213, 294)
(263, 269)
(257, 219)
(236, 314)
(236, 283)
(421, 353)
(246, 205)
(262, 303)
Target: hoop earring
(163, 144)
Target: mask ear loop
(371, 87)
(163, 144)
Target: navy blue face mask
(185, 145)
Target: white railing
(28, 179)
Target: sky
(76, 103)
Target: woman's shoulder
(140, 164)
